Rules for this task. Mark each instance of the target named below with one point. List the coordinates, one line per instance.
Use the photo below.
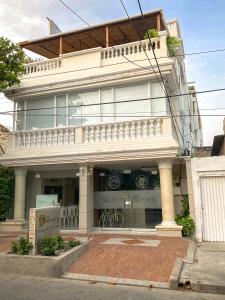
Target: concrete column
(86, 201)
(166, 193)
(168, 227)
(20, 193)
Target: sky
(202, 25)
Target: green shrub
(172, 42)
(21, 246)
(73, 243)
(188, 224)
(150, 32)
(49, 245)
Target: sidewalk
(207, 274)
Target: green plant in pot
(172, 42)
(185, 220)
(21, 246)
(152, 33)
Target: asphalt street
(36, 288)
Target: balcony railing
(45, 65)
(112, 132)
(103, 56)
(130, 48)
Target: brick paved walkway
(153, 263)
(129, 260)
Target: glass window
(20, 116)
(61, 111)
(158, 105)
(91, 112)
(75, 109)
(131, 110)
(37, 117)
(107, 110)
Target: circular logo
(41, 220)
(141, 182)
(114, 182)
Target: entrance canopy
(117, 32)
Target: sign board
(43, 222)
(128, 199)
(46, 200)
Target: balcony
(81, 142)
(112, 132)
(96, 62)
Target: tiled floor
(132, 260)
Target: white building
(95, 129)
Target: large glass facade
(92, 107)
(127, 198)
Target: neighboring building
(111, 161)
(206, 189)
(4, 132)
(218, 147)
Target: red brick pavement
(129, 261)
(122, 261)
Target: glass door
(126, 199)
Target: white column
(20, 193)
(86, 203)
(166, 193)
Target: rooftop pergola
(104, 35)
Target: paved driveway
(134, 257)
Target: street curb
(190, 257)
(174, 280)
(198, 286)
(114, 280)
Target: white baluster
(109, 132)
(55, 137)
(158, 127)
(60, 137)
(103, 133)
(39, 138)
(49, 137)
(145, 128)
(44, 138)
(34, 139)
(127, 131)
(66, 136)
(151, 131)
(121, 132)
(115, 132)
(132, 130)
(97, 134)
(28, 139)
(86, 134)
(92, 134)
(72, 136)
(138, 129)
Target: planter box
(45, 266)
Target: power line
(123, 101)
(120, 116)
(119, 63)
(130, 61)
(162, 79)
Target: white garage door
(213, 208)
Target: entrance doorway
(67, 191)
(127, 198)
